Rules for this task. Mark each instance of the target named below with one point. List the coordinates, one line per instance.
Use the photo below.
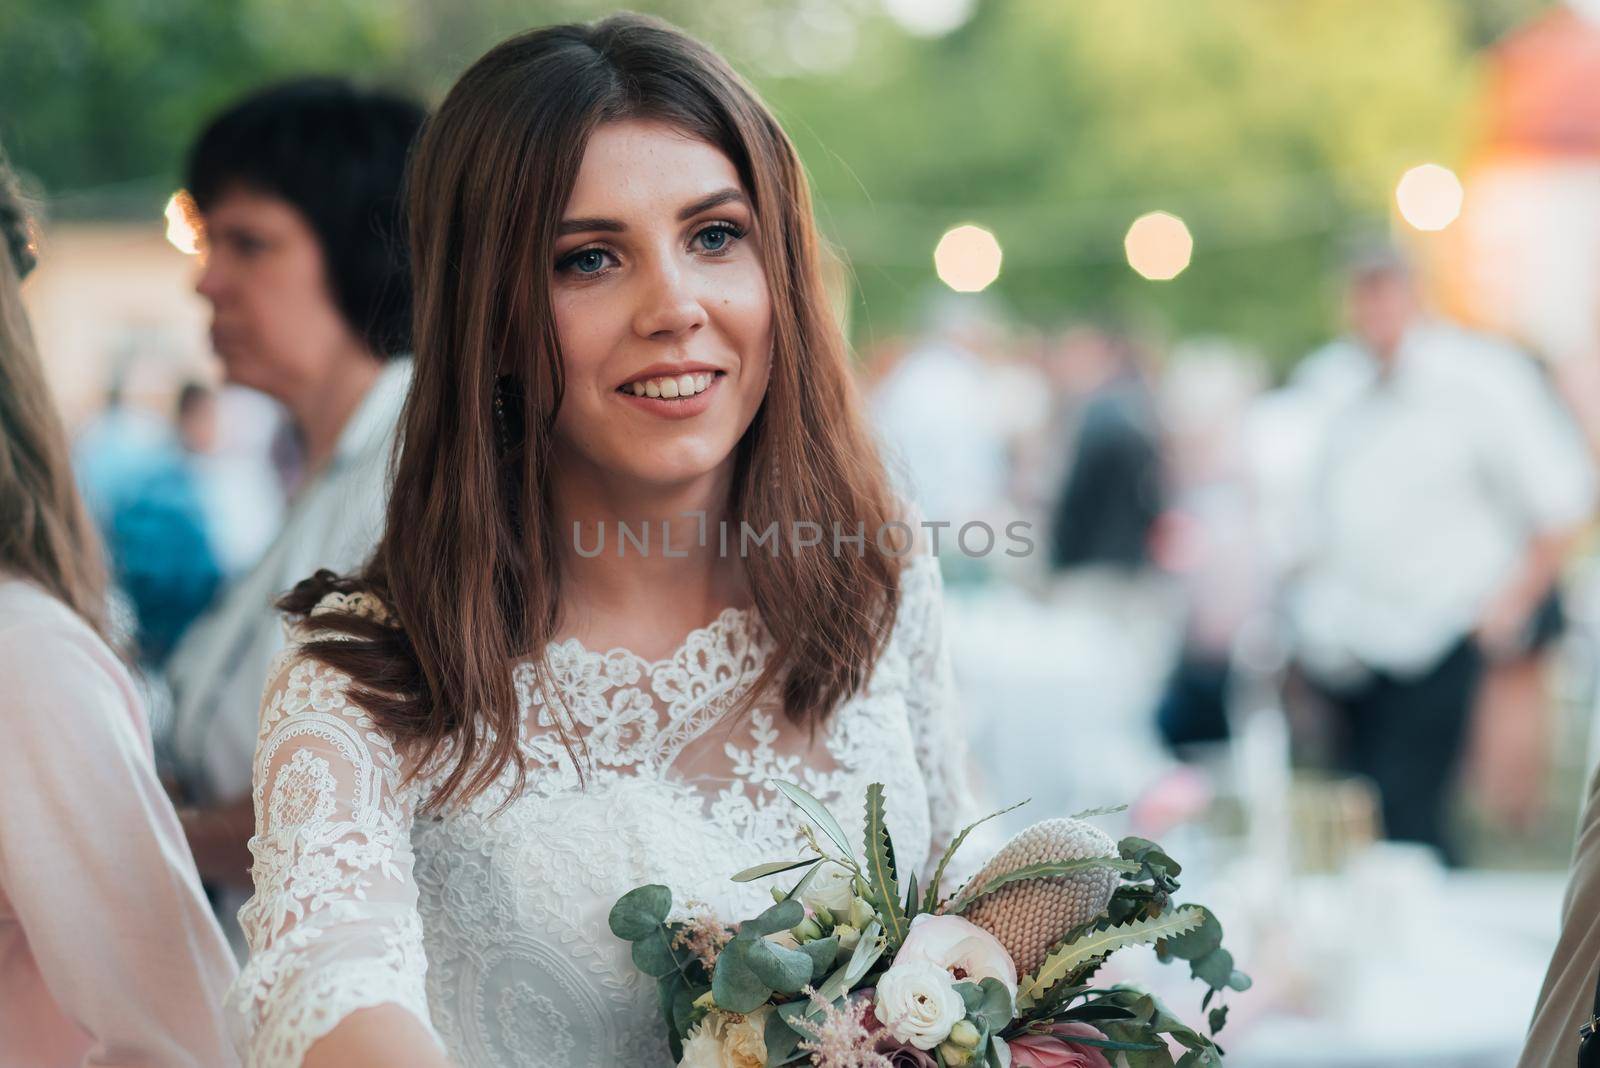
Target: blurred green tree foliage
(1275, 128)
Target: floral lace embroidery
(489, 923)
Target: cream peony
(960, 947)
(727, 1040)
(745, 1043)
(916, 1001)
(833, 888)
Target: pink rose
(1055, 1051)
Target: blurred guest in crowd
(157, 532)
(1111, 493)
(1208, 538)
(109, 954)
(307, 277)
(944, 414)
(1445, 489)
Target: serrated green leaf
(1070, 956)
(761, 871)
(1044, 869)
(880, 870)
(931, 901)
(640, 912)
(816, 811)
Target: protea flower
(1030, 916)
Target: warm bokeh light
(182, 230)
(1158, 245)
(1429, 196)
(930, 18)
(967, 259)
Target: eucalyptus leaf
(1199, 942)
(971, 996)
(734, 983)
(683, 1010)
(640, 911)
(654, 955)
(822, 952)
(1215, 968)
(784, 970)
(996, 1008)
(817, 812)
(1239, 981)
(780, 917)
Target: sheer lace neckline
(724, 620)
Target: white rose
(961, 948)
(917, 1001)
(833, 889)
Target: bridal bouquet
(849, 969)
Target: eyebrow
(729, 195)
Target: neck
(631, 596)
(325, 404)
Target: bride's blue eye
(718, 237)
(584, 261)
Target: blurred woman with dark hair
(307, 276)
(108, 952)
(491, 731)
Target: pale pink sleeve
(94, 862)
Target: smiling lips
(671, 387)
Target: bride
(493, 730)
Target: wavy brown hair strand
(45, 533)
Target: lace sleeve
(333, 926)
(938, 725)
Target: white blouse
(489, 923)
(109, 954)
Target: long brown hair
(45, 534)
(467, 565)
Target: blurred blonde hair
(45, 535)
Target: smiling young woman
(486, 735)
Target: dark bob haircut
(337, 154)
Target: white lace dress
(491, 926)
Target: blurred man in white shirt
(1445, 489)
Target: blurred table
(1456, 991)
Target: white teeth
(685, 385)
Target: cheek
(744, 313)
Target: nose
(209, 282)
(668, 306)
